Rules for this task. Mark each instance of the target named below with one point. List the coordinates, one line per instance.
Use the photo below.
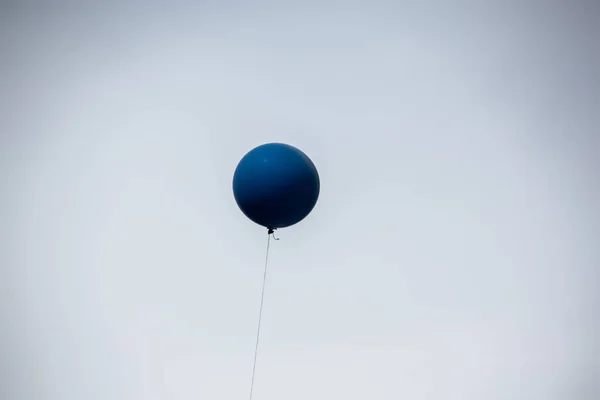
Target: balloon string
(262, 299)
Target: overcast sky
(453, 253)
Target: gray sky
(453, 252)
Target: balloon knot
(271, 231)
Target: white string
(262, 299)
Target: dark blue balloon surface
(276, 185)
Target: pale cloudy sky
(452, 255)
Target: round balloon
(276, 185)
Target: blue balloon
(276, 185)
